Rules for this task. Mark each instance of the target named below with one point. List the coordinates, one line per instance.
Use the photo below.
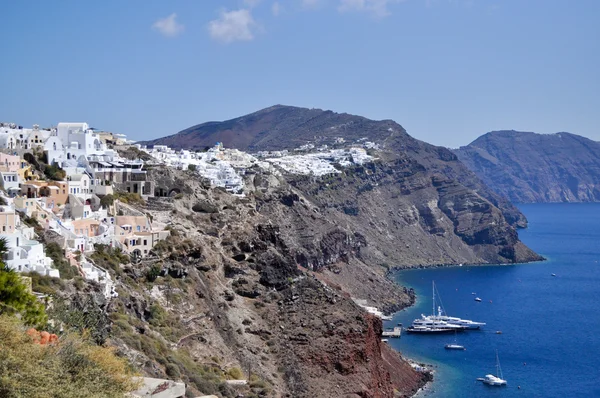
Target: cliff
(429, 195)
(530, 168)
(226, 296)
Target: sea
(549, 344)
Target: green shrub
(54, 173)
(153, 272)
(56, 253)
(70, 369)
(235, 374)
(130, 198)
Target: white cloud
(233, 26)
(168, 26)
(276, 8)
(379, 8)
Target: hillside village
(78, 195)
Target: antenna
(433, 303)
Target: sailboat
(494, 380)
(455, 345)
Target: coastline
(428, 386)
(423, 368)
(397, 268)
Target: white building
(10, 181)
(23, 253)
(79, 185)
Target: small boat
(498, 331)
(454, 347)
(384, 340)
(553, 274)
(474, 294)
(494, 380)
(477, 299)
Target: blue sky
(447, 70)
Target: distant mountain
(528, 167)
(278, 127)
(416, 204)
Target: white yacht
(494, 380)
(428, 330)
(433, 322)
(454, 345)
(430, 324)
(465, 323)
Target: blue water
(550, 341)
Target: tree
(15, 299)
(191, 167)
(106, 201)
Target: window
(3, 228)
(145, 242)
(138, 228)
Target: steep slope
(529, 167)
(224, 295)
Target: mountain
(416, 205)
(276, 128)
(529, 167)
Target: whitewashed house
(23, 253)
(79, 185)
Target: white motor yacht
(465, 323)
(432, 322)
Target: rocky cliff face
(235, 287)
(529, 167)
(417, 200)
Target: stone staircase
(159, 204)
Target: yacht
(465, 323)
(433, 322)
(428, 330)
(477, 299)
(494, 380)
(454, 345)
